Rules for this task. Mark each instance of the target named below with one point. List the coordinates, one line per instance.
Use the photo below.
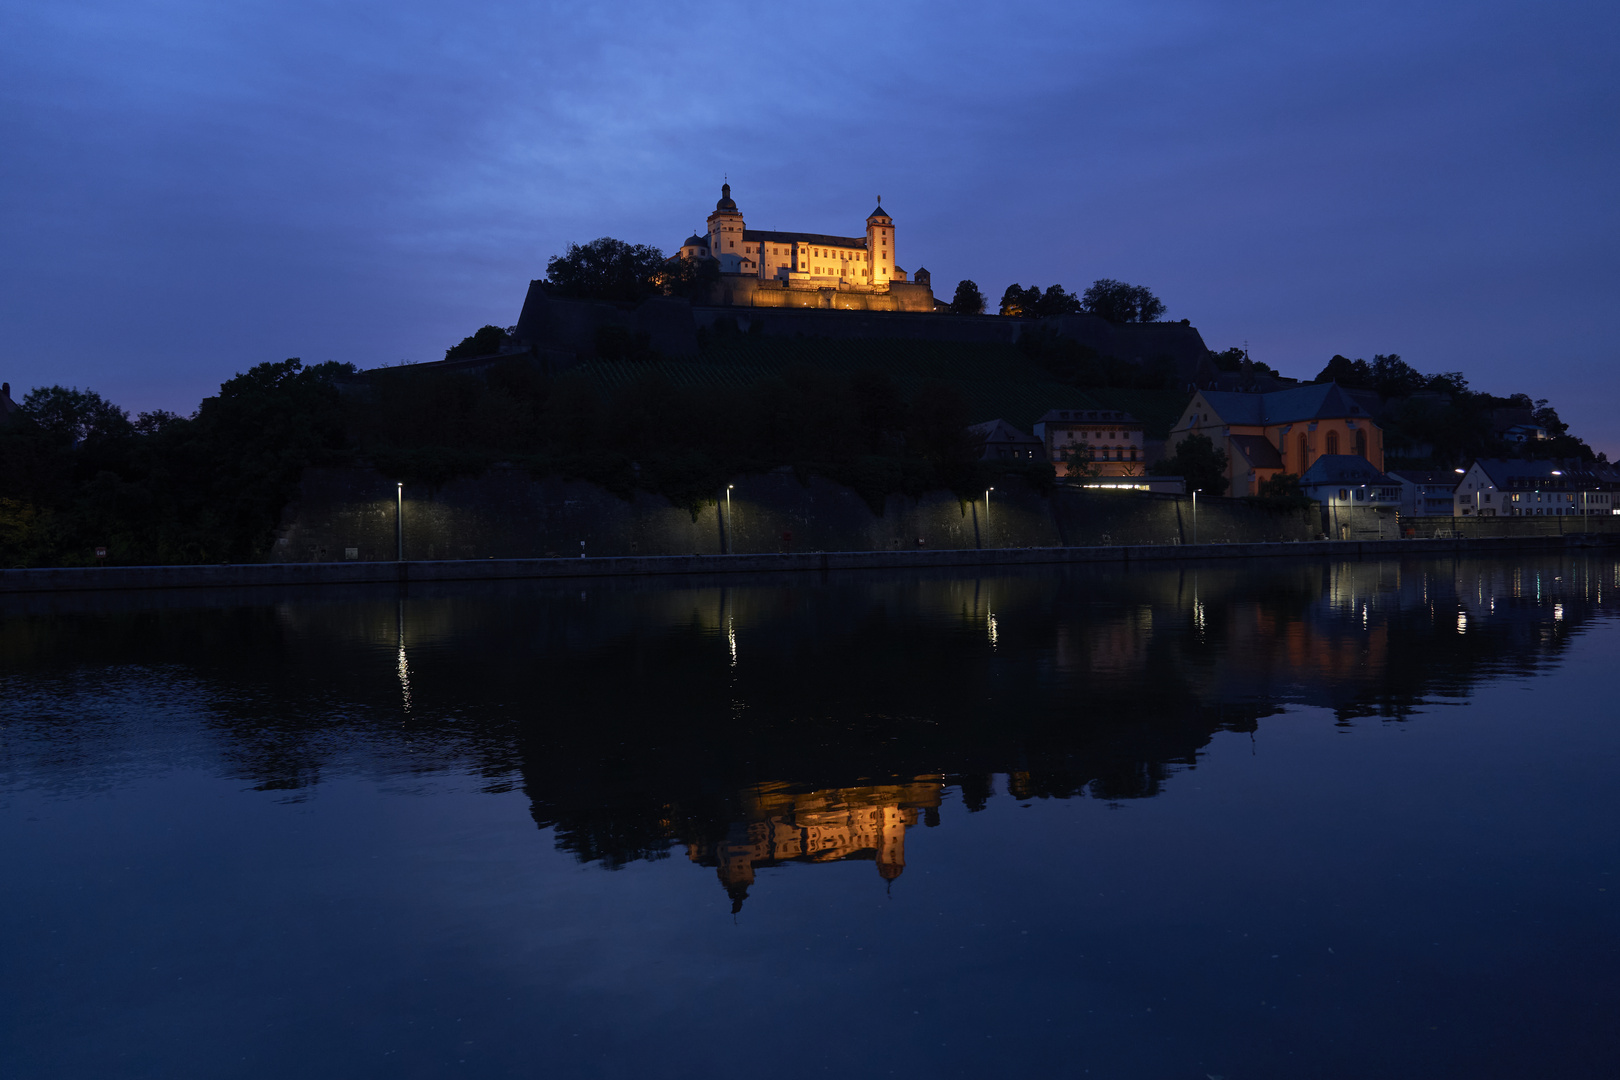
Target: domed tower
(880, 245)
(726, 233)
(695, 246)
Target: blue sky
(188, 188)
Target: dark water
(1305, 820)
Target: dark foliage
(1032, 303)
(1234, 358)
(968, 299)
(75, 474)
(1121, 303)
(486, 341)
(1437, 420)
(607, 269)
(1198, 461)
(1282, 492)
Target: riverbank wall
(354, 515)
(67, 579)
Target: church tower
(726, 233)
(880, 245)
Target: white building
(1498, 487)
(1427, 492)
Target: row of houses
(1323, 433)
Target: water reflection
(784, 720)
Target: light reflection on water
(782, 734)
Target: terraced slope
(997, 380)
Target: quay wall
(349, 515)
(34, 581)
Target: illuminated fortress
(815, 270)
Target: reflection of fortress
(819, 826)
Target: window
(1361, 443)
(1304, 453)
(1333, 442)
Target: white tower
(880, 245)
(726, 233)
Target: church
(759, 268)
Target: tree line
(77, 473)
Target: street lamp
(1195, 515)
(730, 547)
(399, 521)
(987, 492)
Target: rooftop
(1316, 401)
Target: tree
(1121, 303)
(968, 299)
(1014, 302)
(1198, 461)
(1056, 300)
(485, 341)
(75, 415)
(607, 269)
(691, 278)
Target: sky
(189, 187)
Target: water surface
(1305, 819)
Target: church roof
(823, 239)
(725, 203)
(695, 241)
(1316, 401)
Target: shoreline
(263, 575)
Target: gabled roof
(1342, 469)
(1257, 451)
(1316, 401)
(1449, 477)
(824, 239)
(1503, 471)
(1087, 416)
(999, 431)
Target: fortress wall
(792, 322)
(507, 514)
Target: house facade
(1286, 431)
(1355, 497)
(1426, 492)
(1505, 487)
(1092, 442)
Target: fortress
(758, 268)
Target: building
(1092, 442)
(8, 408)
(1426, 492)
(1003, 442)
(762, 268)
(1281, 432)
(1356, 498)
(860, 823)
(1503, 487)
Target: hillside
(997, 380)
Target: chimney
(5, 389)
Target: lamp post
(730, 547)
(1195, 515)
(399, 522)
(987, 492)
